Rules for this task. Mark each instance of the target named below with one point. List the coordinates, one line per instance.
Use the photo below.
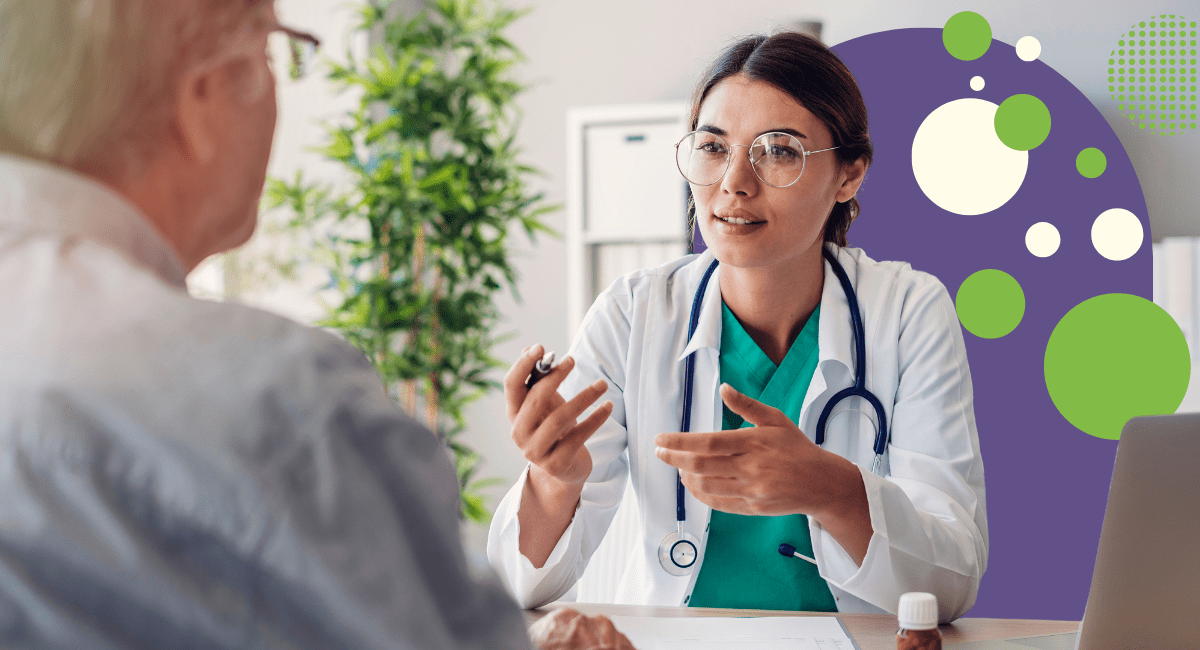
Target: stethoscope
(679, 550)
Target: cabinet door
(632, 189)
(612, 260)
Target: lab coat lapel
(835, 341)
(708, 325)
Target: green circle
(990, 303)
(1091, 162)
(1113, 357)
(1022, 122)
(967, 36)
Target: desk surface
(870, 631)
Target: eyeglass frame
(295, 34)
(244, 48)
(729, 157)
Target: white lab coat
(927, 511)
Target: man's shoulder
(191, 365)
(264, 351)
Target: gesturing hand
(545, 426)
(769, 469)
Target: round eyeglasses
(778, 159)
(297, 48)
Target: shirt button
(687, 598)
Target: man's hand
(567, 629)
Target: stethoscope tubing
(859, 388)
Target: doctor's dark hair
(814, 76)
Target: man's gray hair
(91, 84)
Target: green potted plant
(418, 246)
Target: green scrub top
(742, 567)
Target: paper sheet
(764, 633)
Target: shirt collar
(40, 196)
(835, 334)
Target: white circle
(976, 83)
(1042, 239)
(1117, 234)
(960, 163)
(1029, 48)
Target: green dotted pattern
(1152, 74)
(990, 303)
(1113, 357)
(967, 36)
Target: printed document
(720, 633)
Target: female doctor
(798, 417)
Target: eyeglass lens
(298, 51)
(777, 158)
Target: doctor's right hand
(545, 426)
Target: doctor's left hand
(769, 469)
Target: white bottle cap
(918, 611)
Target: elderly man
(177, 473)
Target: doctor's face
(787, 223)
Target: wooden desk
(870, 631)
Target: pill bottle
(918, 617)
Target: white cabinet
(626, 202)
(626, 210)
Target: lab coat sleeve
(928, 513)
(600, 352)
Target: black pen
(540, 369)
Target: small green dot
(1091, 162)
(967, 36)
(1022, 122)
(990, 303)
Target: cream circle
(1029, 48)
(1042, 239)
(976, 83)
(1117, 234)
(959, 162)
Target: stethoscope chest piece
(678, 554)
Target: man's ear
(853, 175)
(195, 116)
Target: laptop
(1146, 585)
